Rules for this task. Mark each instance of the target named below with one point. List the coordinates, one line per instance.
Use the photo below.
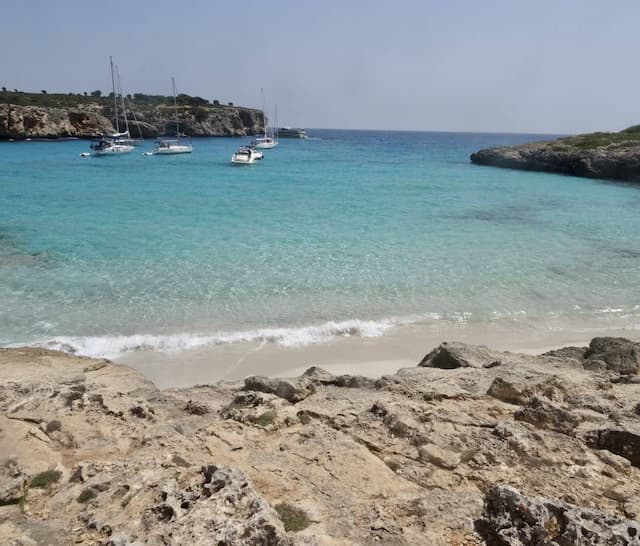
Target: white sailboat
(268, 140)
(172, 146)
(117, 143)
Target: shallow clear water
(347, 234)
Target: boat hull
(173, 150)
(117, 149)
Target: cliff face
(92, 453)
(613, 156)
(94, 120)
(194, 120)
(39, 122)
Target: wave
(114, 346)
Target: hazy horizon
(548, 68)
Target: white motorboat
(246, 155)
(179, 144)
(172, 146)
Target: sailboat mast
(275, 127)
(124, 110)
(115, 97)
(175, 105)
(264, 112)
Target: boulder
(577, 353)
(619, 441)
(619, 354)
(451, 355)
(291, 390)
(511, 519)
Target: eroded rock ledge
(614, 156)
(473, 446)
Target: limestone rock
(12, 481)
(545, 415)
(402, 460)
(613, 156)
(450, 355)
(619, 441)
(511, 519)
(292, 390)
(431, 453)
(521, 392)
(619, 354)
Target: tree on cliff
(4, 89)
(96, 93)
(44, 91)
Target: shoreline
(402, 347)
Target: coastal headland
(468, 446)
(54, 116)
(614, 156)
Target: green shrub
(86, 495)
(293, 518)
(46, 478)
(266, 418)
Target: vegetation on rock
(46, 478)
(292, 518)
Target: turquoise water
(347, 234)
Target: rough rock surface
(92, 453)
(512, 519)
(612, 155)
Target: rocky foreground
(614, 156)
(472, 446)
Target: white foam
(114, 346)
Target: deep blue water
(361, 229)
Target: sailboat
(117, 143)
(267, 141)
(172, 146)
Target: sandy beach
(372, 357)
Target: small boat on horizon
(246, 155)
(291, 132)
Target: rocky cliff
(472, 446)
(88, 119)
(613, 156)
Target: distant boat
(291, 132)
(117, 143)
(246, 155)
(269, 140)
(177, 145)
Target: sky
(549, 66)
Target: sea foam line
(114, 346)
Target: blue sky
(558, 66)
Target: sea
(345, 234)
